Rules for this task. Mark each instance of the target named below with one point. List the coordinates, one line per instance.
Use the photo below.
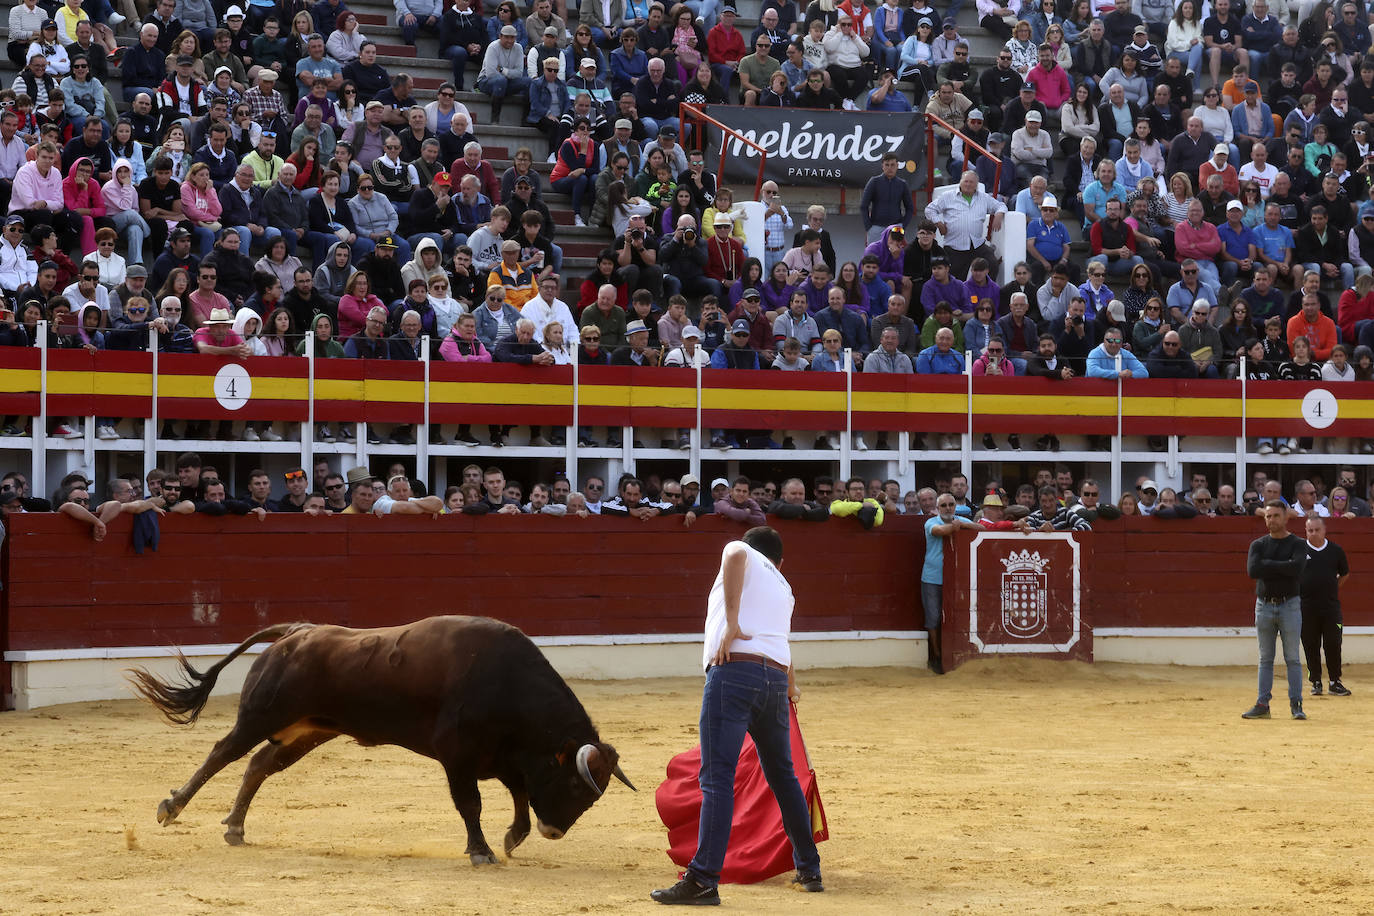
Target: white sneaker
(114, 21)
(1293, 445)
(859, 444)
(951, 443)
(579, 221)
(250, 434)
(106, 432)
(63, 431)
(1284, 448)
(1265, 449)
(271, 435)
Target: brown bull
(473, 693)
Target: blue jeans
(131, 92)
(748, 697)
(409, 32)
(1285, 622)
(1121, 267)
(498, 86)
(129, 223)
(707, 10)
(1192, 61)
(458, 56)
(1347, 272)
(577, 187)
(248, 239)
(1208, 274)
(205, 237)
(652, 125)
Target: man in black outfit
(1322, 576)
(1276, 563)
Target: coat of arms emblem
(1025, 594)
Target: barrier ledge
(1206, 647)
(47, 677)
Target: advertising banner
(816, 147)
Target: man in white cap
(1239, 249)
(1031, 148)
(503, 71)
(217, 338)
(586, 80)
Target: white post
(1116, 440)
(847, 440)
(422, 433)
(150, 426)
(308, 427)
(570, 462)
(966, 453)
(38, 468)
(1243, 443)
(694, 459)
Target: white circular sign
(233, 386)
(1319, 408)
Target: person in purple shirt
(979, 287)
(890, 250)
(877, 288)
(941, 286)
(817, 288)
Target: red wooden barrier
(216, 580)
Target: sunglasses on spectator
(595, 486)
(90, 277)
(591, 337)
(294, 475)
(333, 486)
(1089, 492)
(136, 311)
(995, 350)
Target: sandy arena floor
(1012, 787)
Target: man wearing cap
(966, 216)
(263, 99)
(1254, 122)
(725, 253)
(636, 351)
(1239, 249)
(726, 53)
(181, 95)
(750, 310)
(1031, 148)
(503, 70)
(217, 338)
(361, 495)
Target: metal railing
(932, 153)
(694, 113)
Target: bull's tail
(182, 702)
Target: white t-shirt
(1262, 177)
(765, 612)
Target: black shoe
(168, 430)
(584, 442)
(811, 884)
(989, 443)
(1317, 688)
(372, 437)
(1015, 442)
(1054, 443)
(1258, 711)
(464, 439)
(1296, 707)
(1338, 689)
(687, 893)
(719, 442)
(1042, 444)
(788, 443)
(881, 443)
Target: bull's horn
(618, 773)
(584, 754)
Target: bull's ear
(569, 752)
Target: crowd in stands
(264, 187)
(1052, 500)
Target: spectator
(1109, 360)
(793, 503)
(1050, 515)
(739, 506)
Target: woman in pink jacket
(81, 196)
(200, 205)
(462, 346)
(121, 203)
(354, 305)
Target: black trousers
(1322, 627)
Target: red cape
(759, 848)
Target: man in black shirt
(1276, 563)
(1322, 575)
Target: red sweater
(1350, 310)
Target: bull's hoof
(514, 838)
(234, 836)
(167, 811)
(483, 858)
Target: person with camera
(637, 254)
(684, 261)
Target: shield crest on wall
(1025, 593)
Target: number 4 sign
(1319, 408)
(233, 386)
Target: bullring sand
(1007, 786)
